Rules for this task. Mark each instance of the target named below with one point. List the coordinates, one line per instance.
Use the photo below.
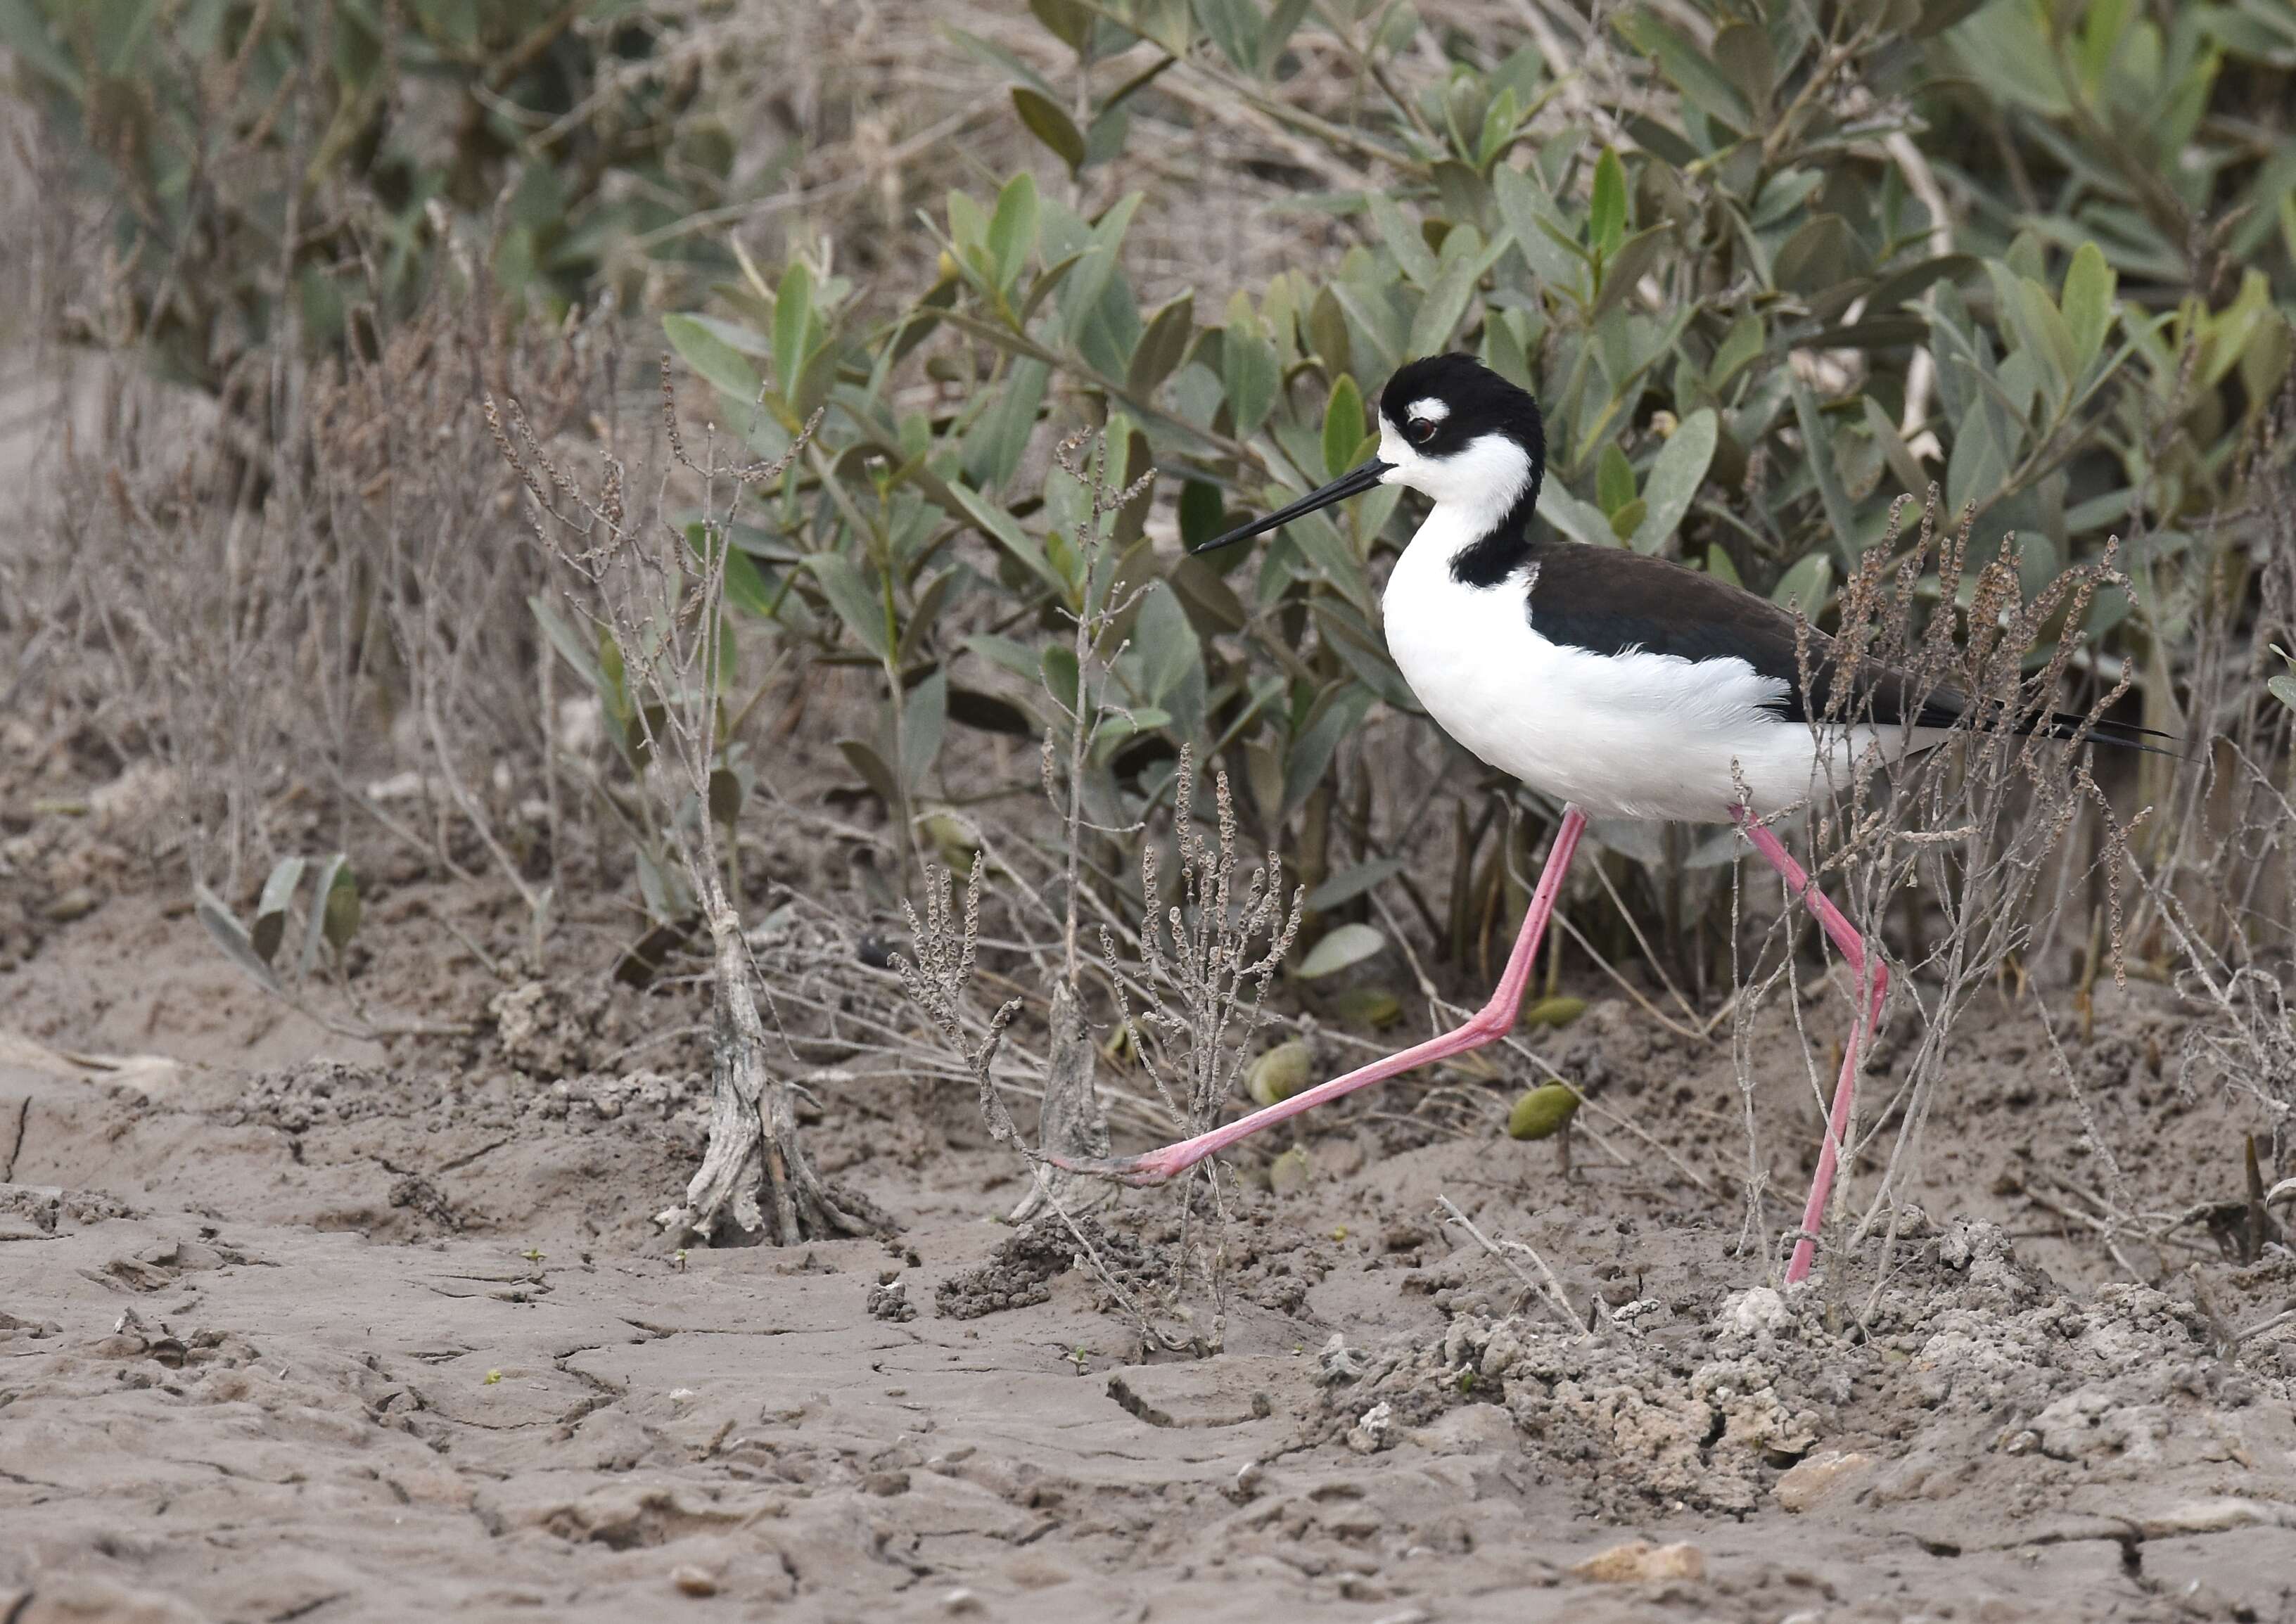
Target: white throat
(1474, 489)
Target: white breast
(1631, 735)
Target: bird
(1621, 685)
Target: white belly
(1634, 736)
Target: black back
(1610, 600)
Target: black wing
(1609, 600)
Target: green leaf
(1252, 374)
(968, 229)
(314, 926)
(1606, 220)
(1344, 430)
(1166, 643)
(1403, 239)
(341, 911)
(1629, 515)
(1894, 449)
(746, 586)
(1692, 70)
(1310, 755)
(1674, 478)
(2088, 302)
(924, 722)
(1320, 543)
(569, 644)
(1579, 520)
(24, 32)
(857, 604)
(1048, 124)
(1740, 347)
(2044, 330)
(1614, 479)
(1082, 292)
(1350, 944)
(1807, 586)
(727, 793)
(1001, 528)
(1349, 883)
(1817, 442)
(232, 937)
(792, 321)
(1636, 259)
(1743, 53)
(863, 759)
(1162, 345)
(999, 437)
(1282, 23)
(2283, 689)
(713, 359)
(1234, 28)
(1537, 228)
(272, 908)
(1070, 19)
(1013, 231)
(1056, 668)
(1464, 261)
(1821, 255)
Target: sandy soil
(290, 1328)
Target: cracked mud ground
(288, 1330)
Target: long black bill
(1352, 483)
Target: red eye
(1423, 429)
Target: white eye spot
(1434, 409)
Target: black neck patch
(1506, 549)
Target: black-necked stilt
(1621, 685)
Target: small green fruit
(1290, 1172)
(1280, 1073)
(1554, 1012)
(1369, 1006)
(1541, 1113)
(952, 841)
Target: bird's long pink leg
(1487, 1025)
(1875, 975)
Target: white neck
(1474, 488)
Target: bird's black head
(1454, 430)
(1440, 406)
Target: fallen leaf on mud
(147, 1073)
(1639, 1562)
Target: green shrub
(1716, 273)
(270, 163)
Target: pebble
(1639, 1562)
(692, 1581)
(1809, 1482)
(76, 902)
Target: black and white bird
(1624, 685)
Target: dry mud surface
(290, 1331)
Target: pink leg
(1493, 1021)
(1875, 974)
